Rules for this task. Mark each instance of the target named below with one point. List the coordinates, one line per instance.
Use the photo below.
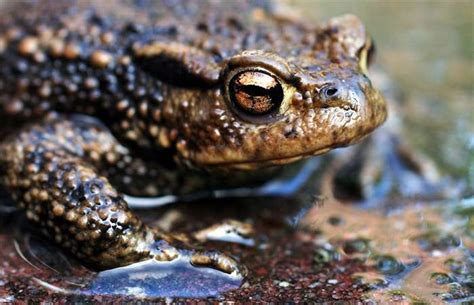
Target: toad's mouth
(252, 165)
(249, 165)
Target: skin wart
(95, 97)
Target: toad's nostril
(330, 91)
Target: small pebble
(284, 284)
(314, 285)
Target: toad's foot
(384, 167)
(51, 171)
(161, 251)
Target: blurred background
(427, 48)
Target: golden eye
(255, 92)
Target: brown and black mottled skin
(96, 94)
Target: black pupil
(257, 91)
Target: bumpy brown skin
(158, 77)
(51, 171)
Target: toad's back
(81, 56)
(78, 56)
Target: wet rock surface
(337, 251)
(285, 264)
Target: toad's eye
(255, 93)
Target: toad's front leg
(51, 171)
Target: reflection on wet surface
(411, 251)
(150, 279)
(410, 248)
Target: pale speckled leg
(51, 171)
(384, 167)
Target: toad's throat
(256, 164)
